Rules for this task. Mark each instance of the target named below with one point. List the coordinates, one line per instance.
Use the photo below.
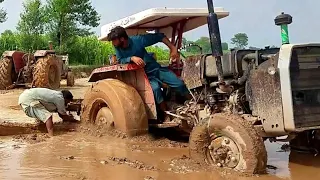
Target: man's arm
(67, 118)
(151, 39)
(121, 59)
(127, 60)
(62, 111)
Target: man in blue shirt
(132, 50)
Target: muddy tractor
(41, 69)
(240, 98)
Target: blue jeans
(164, 75)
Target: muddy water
(77, 156)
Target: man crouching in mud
(39, 103)
(132, 50)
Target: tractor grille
(305, 85)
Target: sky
(254, 17)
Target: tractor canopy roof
(162, 20)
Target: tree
(204, 43)
(68, 18)
(3, 14)
(7, 33)
(31, 24)
(240, 40)
(224, 46)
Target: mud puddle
(75, 155)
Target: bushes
(82, 51)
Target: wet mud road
(78, 154)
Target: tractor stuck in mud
(240, 99)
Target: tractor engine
(25, 75)
(200, 76)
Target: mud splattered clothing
(41, 102)
(156, 74)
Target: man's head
(67, 95)
(119, 37)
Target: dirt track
(87, 154)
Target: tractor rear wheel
(70, 79)
(6, 66)
(228, 141)
(47, 73)
(112, 103)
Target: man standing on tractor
(39, 103)
(132, 49)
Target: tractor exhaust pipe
(283, 20)
(215, 39)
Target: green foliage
(68, 19)
(240, 40)
(89, 51)
(31, 25)
(3, 14)
(203, 42)
(161, 54)
(225, 46)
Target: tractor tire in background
(228, 141)
(70, 79)
(111, 103)
(6, 67)
(46, 73)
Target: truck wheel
(47, 73)
(70, 79)
(113, 103)
(6, 66)
(228, 141)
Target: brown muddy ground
(76, 155)
(82, 153)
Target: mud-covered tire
(70, 79)
(6, 66)
(47, 72)
(126, 106)
(253, 154)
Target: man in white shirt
(40, 103)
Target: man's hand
(68, 118)
(174, 54)
(138, 61)
(114, 63)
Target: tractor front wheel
(111, 103)
(228, 141)
(47, 73)
(6, 66)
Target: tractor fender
(42, 53)
(16, 57)
(133, 75)
(8, 53)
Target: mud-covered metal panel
(111, 71)
(228, 65)
(139, 80)
(191, 73)
(263, 91)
